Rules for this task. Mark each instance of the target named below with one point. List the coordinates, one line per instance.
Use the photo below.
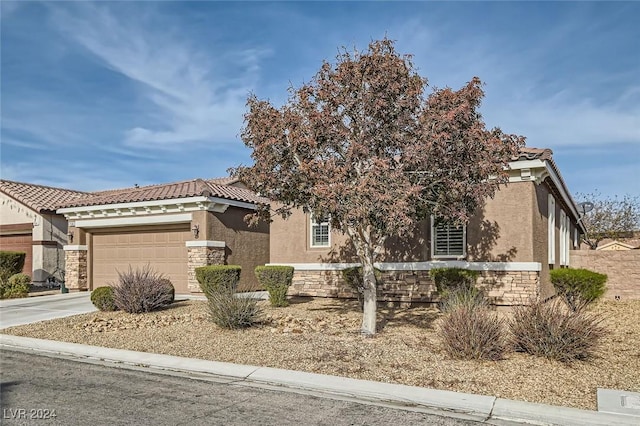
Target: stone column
(203, 253)
(76, 267)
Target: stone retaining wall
(502, 288)
(621, 266)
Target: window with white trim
(320, 232)
(552, 229)
(576, 239)
(567, 239)
(448, 240)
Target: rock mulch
(322, 336)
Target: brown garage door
(19, 242)
(163, 249)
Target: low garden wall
(415, 286)
(621, 266)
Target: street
(42, 390)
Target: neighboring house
(173, 228)
(29, 223)
(615, 245)
(527, 229)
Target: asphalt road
(33, 387)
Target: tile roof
(39, 197)
(219, 187)
(527, 153)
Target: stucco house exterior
(29, 223)
(174, 228)
(528, 228)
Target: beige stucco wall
(503, 230)
(12, 212)
(245, 246)
(622, 269)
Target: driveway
(41, 308)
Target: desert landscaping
(323, 336)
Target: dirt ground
(322, 336)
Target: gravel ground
(322, 336)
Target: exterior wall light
(70, 236)
(196, 231)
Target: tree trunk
(370, 298)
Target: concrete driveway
(33, 309)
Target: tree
(361, 144)
(611, 217)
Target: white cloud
(189, 102)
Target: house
(527, 229)
(29, 223)
(174, 228)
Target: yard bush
(231, 311)
(447, 279)
(276, 280)
(141, 290)
(550, 330)
(103, 299)
(354, 278)
(469, 297)
(578, 287)
(16, 286)
(473, 332)
(11, 263)
(215, 278)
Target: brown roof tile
(527, 153)
(39, 197)
(183, 189)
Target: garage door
(163, 249)
(20, 242)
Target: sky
(99, 95)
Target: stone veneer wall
(76, 270)
(502, 288)
(621, 266)
(202, 256)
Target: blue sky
(110, 94)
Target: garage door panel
(164, 250)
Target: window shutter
(448, 240)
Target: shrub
(11, 263)
(276, 280)
(16, 286)
(102, 298)
(215, 278)
(227, 310)
(354, 278)
(550, 330)
(469, 297)
(578, 287)
(169, 290)
(472, 332)
(447, 279)
(141, 290)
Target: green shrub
(578, 287)
(354, 278)
(276, 280)
(141, 290)
(11, 263)
(472, 332)
(16, 286)
(215, 278)
(231, 311)
(457, 281)
(102, 298)
(550, 330)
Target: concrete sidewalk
(487, 409)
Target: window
(552, 230)
(320, 232)
(448, 240)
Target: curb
(445, 403)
